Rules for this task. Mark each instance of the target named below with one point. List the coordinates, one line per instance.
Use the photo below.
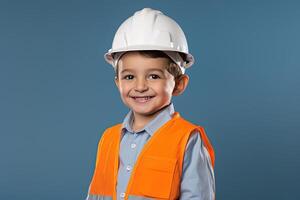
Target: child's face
(144, 83)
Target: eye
(128, 77)
(154, 76)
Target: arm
(198, 181)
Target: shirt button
(122, 195)
(133, 145)
(128, 167)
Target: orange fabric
(106, 168)
(157, 171)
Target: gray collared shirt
(197, 181)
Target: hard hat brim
(110, 59)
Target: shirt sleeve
(198, 181)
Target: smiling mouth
(142, 99)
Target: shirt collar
(164, 116)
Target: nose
(141, 85)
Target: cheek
(170, 85)
(166, 88)
(123, 89)
(124, 94)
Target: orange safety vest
(157, 171)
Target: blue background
(58, 95)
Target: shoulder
(195, 137)
(110, 134)
(184, 123)
(110, 131)
(198, 137)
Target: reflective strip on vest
(132, 197)
(98, 197)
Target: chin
(144, 112)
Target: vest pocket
(155, 176)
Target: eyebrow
(149, 70)
(154, 69)
(125, 70)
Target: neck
(140, 121)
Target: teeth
(142, 99)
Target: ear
(116, 79)
(180, 84)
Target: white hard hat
(150, 29)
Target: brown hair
(172, 68)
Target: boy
(154, 153)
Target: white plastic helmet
(150, 29)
